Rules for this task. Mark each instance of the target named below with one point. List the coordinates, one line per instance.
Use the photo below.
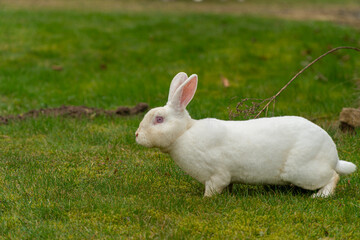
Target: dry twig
(248, 111)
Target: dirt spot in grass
(76, 111)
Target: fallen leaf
(225, 82)
(103, 66)
(57, 68)
(321, 77)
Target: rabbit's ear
(179, 79)
(184, 93)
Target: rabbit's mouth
(140, 139)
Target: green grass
(80, 178)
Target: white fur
(278, 150)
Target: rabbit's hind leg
(329, 188)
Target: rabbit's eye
(159, 119)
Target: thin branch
(301, 71)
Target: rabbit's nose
(136, 134)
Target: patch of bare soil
(76, 111)
(340, 13)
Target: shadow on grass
(243, 190)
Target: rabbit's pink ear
(179, 79)
(184, 93)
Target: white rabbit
(277, 150)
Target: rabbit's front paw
(216, 185)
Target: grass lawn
(85, 178)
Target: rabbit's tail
(344, 167)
